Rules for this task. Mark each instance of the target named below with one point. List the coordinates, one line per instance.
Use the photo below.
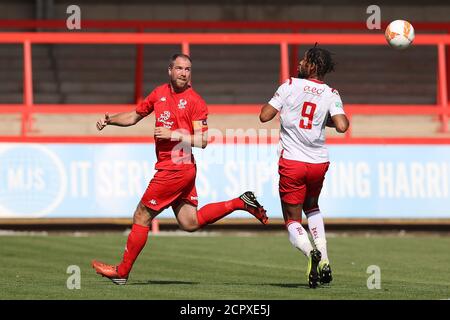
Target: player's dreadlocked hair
(322, 59)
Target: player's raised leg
(252, 206)
(298, 237)
(136, 241)
(190, 219)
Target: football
(399, 34)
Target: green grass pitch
(260, 266)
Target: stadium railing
(249, 26)
(283, 40)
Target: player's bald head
(178, 56)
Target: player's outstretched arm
(123, 119)
(267, 113)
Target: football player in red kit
(181, 123)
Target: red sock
(215, 211)
(136, 241)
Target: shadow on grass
(280, 285)
(286, 285)
(165, 282)
(172, 282)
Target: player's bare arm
(267, 113)
(199, 139)
(340, 122)
(123, 119)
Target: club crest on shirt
(182, 104)
(163, 117)
(163, 99)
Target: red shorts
(169, 188)
(300, 180)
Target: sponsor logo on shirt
(153, 202)
(182, 104)
(163, 99)
(163, 117)
(194, 198)
(313, 90)
(339, 105)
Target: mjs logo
(33, 181)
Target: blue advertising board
(107, 180)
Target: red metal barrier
(185, 40)
(285, 26)
(442, 86)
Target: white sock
(298, 236)
(317, 229)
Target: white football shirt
(304, 106)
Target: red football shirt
(175, 111)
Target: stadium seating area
(222, 74)
(233, 74)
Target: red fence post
(284, 64)
(294, 57)
(443, 99)
(438, 86)
(155, 226)
(27, 87)
(185, 48)
(447, 52)
(139, 72)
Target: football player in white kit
(306, 105)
